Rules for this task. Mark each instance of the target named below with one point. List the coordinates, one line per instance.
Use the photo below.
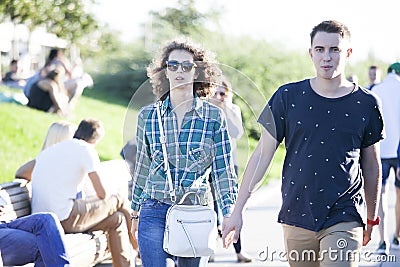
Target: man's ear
(310, 52)
(196, 74)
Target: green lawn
(22, 131)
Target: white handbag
(190, 230)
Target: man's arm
(254, 172)
(372, 173)
(97, 185)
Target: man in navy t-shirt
(331, 173)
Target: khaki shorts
(338, 245)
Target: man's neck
(331, 88)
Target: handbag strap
(163, 141)
(197, 197)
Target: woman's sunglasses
(173, 65)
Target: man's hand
(367, 235)
(231, 227)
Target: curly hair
(207, 68)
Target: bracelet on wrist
(374, 222)
(134, 217)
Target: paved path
(262, 236)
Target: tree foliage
(184, 19)
(119, 70)
(67, 19)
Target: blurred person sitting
(74, 81)
(11, 78)
(57, 184)
(27, 240)
(57, 132)
(55, 59)
(49, 94)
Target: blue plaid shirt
(201, 144)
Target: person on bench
(57, 132)
(37, 238)
(58, 178)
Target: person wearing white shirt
(389, 93)
(57, 180)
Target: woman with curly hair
(197, 143)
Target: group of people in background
(68, 153)
(333, 176)
(56, 87)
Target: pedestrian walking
(331, 172)
(197, 142)
(223, 98)
(389, 93)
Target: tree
(184, 19)
(67, 19)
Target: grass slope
(22, 131)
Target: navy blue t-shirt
(322, 184)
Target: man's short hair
(89, 130)
(331, 26)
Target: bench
(84, 249)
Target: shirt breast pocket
(157, 162)
(199, 157)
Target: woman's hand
(134, 228)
